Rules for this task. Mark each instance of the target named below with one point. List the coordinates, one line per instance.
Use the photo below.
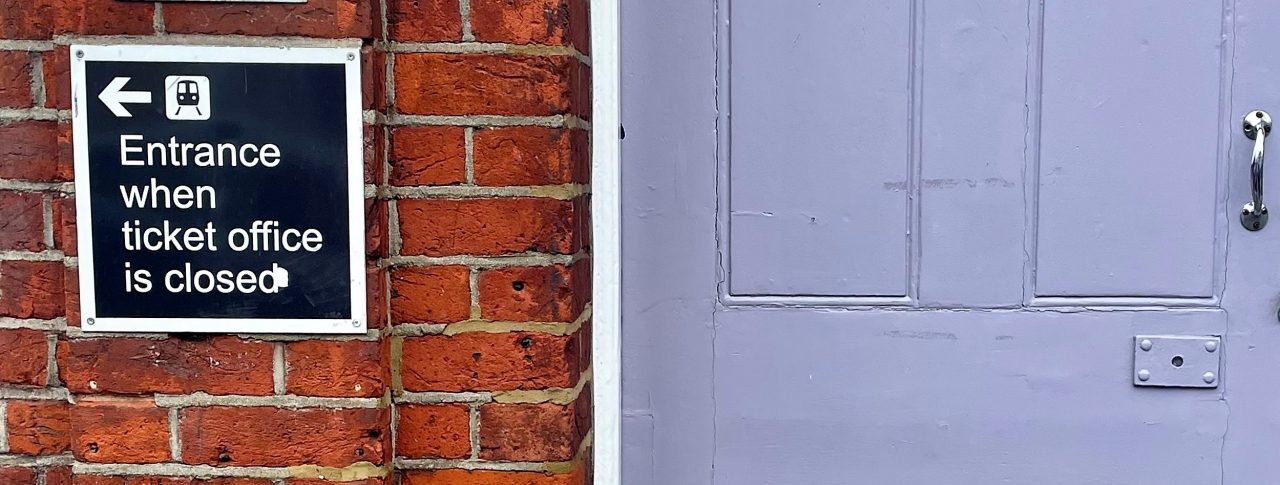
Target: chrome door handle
(1257, 125)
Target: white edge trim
(350, 58)
(606, 243)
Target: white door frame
(606, 242)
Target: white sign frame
(348, 57)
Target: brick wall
(476, 366)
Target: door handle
(1257, 125)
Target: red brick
(428, 155)
(434, 431)
(489, 362)
(373, 78)
(66, 152)
(15, 79)
(64, 224)
(119, 432)
(527, 155)
(238, 436)
(487, 477)
(31, 289)
(316, 18)
(57, 77)
(580, 25)
(219, 365)
(22, 221)
(57, 476)
(521, 21)
(432, 294)
(580, 90)
(17, 476)
(154, 480)
(465, 84)
(424, 20)
(528, 432)
(26, 357)
(38, 427)
(436, 227)
(336, 369)
(541, 293)
(41, 19)
(376, 306)
(71, 295)
(319, 481)
(30, 151)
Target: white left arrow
(114, 96)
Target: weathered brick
(26, 356)
(41, 19)
(17, 476)
(38, 427)
(375, 221)
(31, 289)
(64, 224)
(260, 436)
(428, 155)
(336, 369)
(435, 227)
(529, 155)
(30, 151)
(15, 79)
(119, 432)
(316, 18)
(154, 480)
(320, 481)
(489, 362)
(71, 295)
(528, 432)
(219, 365)
(57, 77)
(424, 20)
(540, 293)
(434, 431)
(521, 21)
(466, 84)
(488, 477)
(432, 294)
(373, 78)
(22, 221)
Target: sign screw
(1145, 344)
(351, 57)
(355, 323)
(1210, 346)
(1209, 378)
(1144, 375)
(79, 54)
(89, 321)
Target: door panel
(912, 242)
(1129, 148)
(819, 143)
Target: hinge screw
(1145, 344)
(1144, 375)
(1211, 346)
(1209, 378)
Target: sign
(219, 189)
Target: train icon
(186, 97)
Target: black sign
(225, 189)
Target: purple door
(928, 242)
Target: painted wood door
(913, 242)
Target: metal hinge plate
(1176, 360)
